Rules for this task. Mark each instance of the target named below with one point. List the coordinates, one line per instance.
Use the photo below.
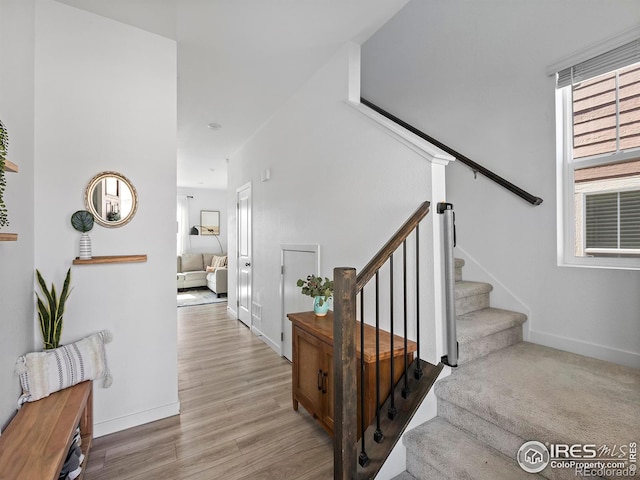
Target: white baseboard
(266, 340)
(601, 352)
(129, 421)
(232, 312)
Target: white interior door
(298, 261)
(244, 254)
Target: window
(598, 119)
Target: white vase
(85, 247)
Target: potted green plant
(4, 145)
(82, 221)
(321, 290)
(51, 310)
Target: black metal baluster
(363, 458)
(417, 373)
(405, 390)
(392, 408)
(378, 436)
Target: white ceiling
(239, 60)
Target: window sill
(610, 263)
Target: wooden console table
(312, 380)
(36, 442)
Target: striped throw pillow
(42, 373)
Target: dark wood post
(345, 373)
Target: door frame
(250, 299)
(309, 248)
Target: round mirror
(112, 199)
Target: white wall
(16, 258)
(106, 100)
(206, 199)
(337, 180)
(472, 74)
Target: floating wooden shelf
(111, 259)
(10, 166)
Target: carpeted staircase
(506, 392)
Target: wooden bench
(36, 442)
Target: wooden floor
(236, 420)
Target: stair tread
(404, 476)
(456, 454)
(464, 288)
(478, 324)
(540, 393)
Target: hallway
(236, 418)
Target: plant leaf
(65, 293)
(45, 317)
(82, 220)
(43, 286)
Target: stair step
(531, 392)
(471, 296)
(484, 331)
(404, 476)
(458, 263)
(437, 449)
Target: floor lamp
(194, 231)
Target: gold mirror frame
(106, 196)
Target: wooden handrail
(476, 167)
(406, 390)
(391, 246)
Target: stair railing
(475, 167)
(391, 417)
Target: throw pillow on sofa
(218, 262)
(192, 262)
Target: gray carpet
(199, 296)
(550, 395)
(510, 392)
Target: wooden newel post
(344, 367)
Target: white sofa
(192, 272)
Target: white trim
(613, 251)
(594, 50)
(293, 247)
(248, 185)
(129, 421)
(353, 86)
(565, 204)
(404, 136)
(274, 346)
(601, 352)
(232, 312)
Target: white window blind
(612, 60)
(613, 220)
